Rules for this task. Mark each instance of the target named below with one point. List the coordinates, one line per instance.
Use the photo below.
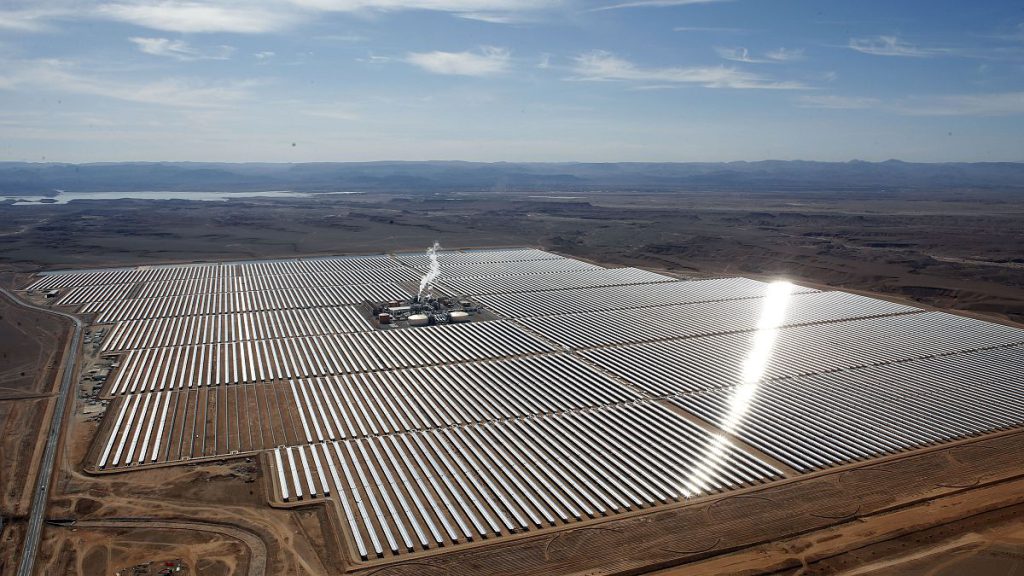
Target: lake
(65, 197)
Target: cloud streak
(255, 17)
(652, 4)
(893, 46)
(179, 49)
(605, 66)
(62, 76)
(199, 17)
(785, 54)
(985, 104)
(30, 20)
(992, 104)
(834, 102)
(772, 57)
(489, 61)
(493, 11)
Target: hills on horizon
(39, 179)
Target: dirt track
(257, 560)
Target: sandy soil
(94, 551)
(28, 351)
(970, 532)
(30, 347)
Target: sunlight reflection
(773, 315)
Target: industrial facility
(458, 396)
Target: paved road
(42, 491)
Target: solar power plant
(573, 393)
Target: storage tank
(384, 318)
(459, 316)
(418, 320)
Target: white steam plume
(431, 275)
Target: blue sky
(513, 80)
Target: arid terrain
(955, 249)
(944, 510)
(31, 345)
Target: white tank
(418, 320)
(459, 316)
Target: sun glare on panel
(773, 315)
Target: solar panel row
(422, 490)
(432, 436)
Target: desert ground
(948, 509)
(955, 249)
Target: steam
(431, 275)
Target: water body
(65, 197)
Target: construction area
(455, 401)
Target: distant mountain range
(44, 178)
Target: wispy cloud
(600, 65)
(348, 38)
(256, 16)
(893, 46)
(31, 20)
(991, 104)
(785, 54)
(198, 17)
(739, 55)
(333, 112)
(834, 102)
(771, 57)
(492, 17)
(983, 104)
(494, 11)
(488, 61)
(372, 58)
(653, 4)
(708, 29)
(63, 76)
(180, 50)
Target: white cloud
(34, 20)
(493, 11)
(195, 17)
(772, 57)
(653, 4)
(265, 55)
(488, 62)
(491, 17)
(62, 76)
(252, 16)
(600, 65)
(991, 104)
(739, 55)
(785, 54)
(833, 102)
(349, 38)
(467, 6)
(892, 46)
(180, 49)
(708, 29)
(375, 59)
(335, 112)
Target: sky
(511, 80)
